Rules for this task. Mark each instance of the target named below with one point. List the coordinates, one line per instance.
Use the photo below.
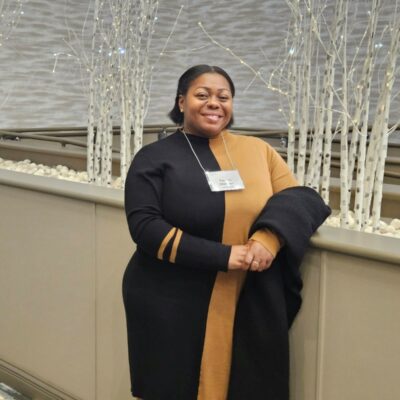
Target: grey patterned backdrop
(32, 95)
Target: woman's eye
(224, 98)
(201, 95)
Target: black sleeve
(152, 233)
(294, 214)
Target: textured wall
(31, 95)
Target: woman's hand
(258, 258)
(237, 259)
(253, 256)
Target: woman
(200, 259)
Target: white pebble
(390, 229)
(333, 221)
(395, 223)
(389, 234)
(382, 224)
(39, 171)
(82, 175)
(352, 222)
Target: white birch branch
(344, 187)
(387, 90)
(304, 108)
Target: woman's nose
(213, 102)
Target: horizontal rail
(63, 135)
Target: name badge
(223, 181)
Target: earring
(181, 110)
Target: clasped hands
(252, 256)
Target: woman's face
(207, 105)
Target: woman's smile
(213, 117)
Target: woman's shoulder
(248, 140)
(160, 147)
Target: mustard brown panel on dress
(262, 173)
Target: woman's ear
(181, 103)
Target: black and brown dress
(181, 301)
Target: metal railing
(65, 137)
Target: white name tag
(222, 181)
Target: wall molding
(30, 385)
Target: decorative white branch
(119, 81)
(344, 186)
(339, 106)
(91, 109)
(386, 99)
(363, 91)
(243, 62)
(10, 14)
(305, 91)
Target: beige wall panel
(304, 333)
(47, 288)
(114, 248)
(361, 343)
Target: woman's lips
(212, 117)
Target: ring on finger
(256, 265)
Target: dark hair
(184, 83)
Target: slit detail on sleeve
(165, 242)
(175, 245)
